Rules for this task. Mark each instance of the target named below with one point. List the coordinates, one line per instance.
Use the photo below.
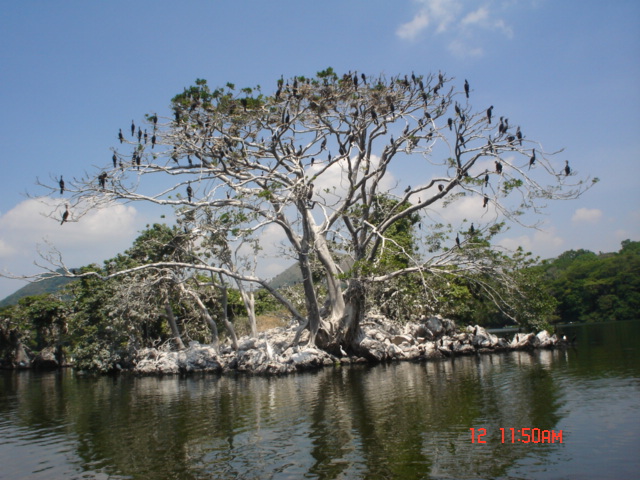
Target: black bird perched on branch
(139, 134)
(441, 187)
(472, 229)
(458, 241)
(374, 115)
(408, 189)
(567, 168)
(466, 88)
(519, 136)
(532, 160)
(102, 178)
(489, 113)
(120, 136)
(498, 167)
(133, 128)
(61, 183)
(153, 141)
(485, 201)
(189, 192)
(65, 215)
(309, 192)
(486, 180)
(115, 160)
(450, 122)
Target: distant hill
(290, 276)
(51, 285)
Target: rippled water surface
(403, 420)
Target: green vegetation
(592, 288)
(101, 324)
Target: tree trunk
(248, 300)
(342, 329)
(228, 325)
(311, 300)
(209, 320)
(174, 326)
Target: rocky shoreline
(272, 353)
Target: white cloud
(6, 249)
(440, 12)
(587, 215)
(411, 29)
(479, 16)
(332, 184)
(31, 221)
(460, 25)
(543, 243)
(31, 225)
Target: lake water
(392, 421)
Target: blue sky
(74, 72)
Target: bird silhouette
(466, 88)
(61, 183)
(115, 160)
(567, 168)
(532, 160)
(65, 215)
(189, 192)
(120, 136)
(489, 113)
(498, 167)
(485, 201)
(133, 128)
(458, 241)
(441, 187)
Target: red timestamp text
(519, 435)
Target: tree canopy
(320, 162)
(593, 287)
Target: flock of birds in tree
(294, 90)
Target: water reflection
(403, 420)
